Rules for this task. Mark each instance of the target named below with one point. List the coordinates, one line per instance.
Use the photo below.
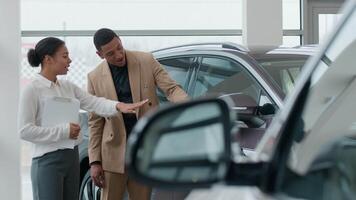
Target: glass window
(223, 64)
(151, 43)
(285, 70)
(229, 80)
(291, 41)
(327, 22)
(343, 40)
(130, 15)
(178, 69)
(85, 59)
(291, 14)
(119, 14)
(81, 51)
(220, 76)
(288, 78)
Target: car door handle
(239, 108)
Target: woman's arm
(102, 106)
(99, 105)
(28, 110)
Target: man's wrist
(95, 163)
(118, 106)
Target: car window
(284, 72)
(179, 70)
(220, 76)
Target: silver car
(307, 153)
(256, 80)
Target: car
(264, 76)
(308, 152)
(261, 77)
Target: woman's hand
(74, 130)
(130, 107)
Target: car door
(180, 69)
(311, 146)
(227, 78)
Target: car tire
(89, 191)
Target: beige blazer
(107, 141)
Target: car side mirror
(267, 109)
(186, 144)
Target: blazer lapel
(134, 76)
(109, 87)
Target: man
(126, 76)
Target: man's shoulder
(140, 54)
(97, 70)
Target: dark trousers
(55, 175)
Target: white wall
(10, 186)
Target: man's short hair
(103, 36)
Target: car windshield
(328, 113)
(284, 69)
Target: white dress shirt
(48, 139)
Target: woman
(55, 167)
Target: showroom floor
(27, 188)
(26, 171)
(26, 183)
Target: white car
(309, 151)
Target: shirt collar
(43, 80)
(117, 67)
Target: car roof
(230, 47)
(203, 46)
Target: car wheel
(89, 191)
